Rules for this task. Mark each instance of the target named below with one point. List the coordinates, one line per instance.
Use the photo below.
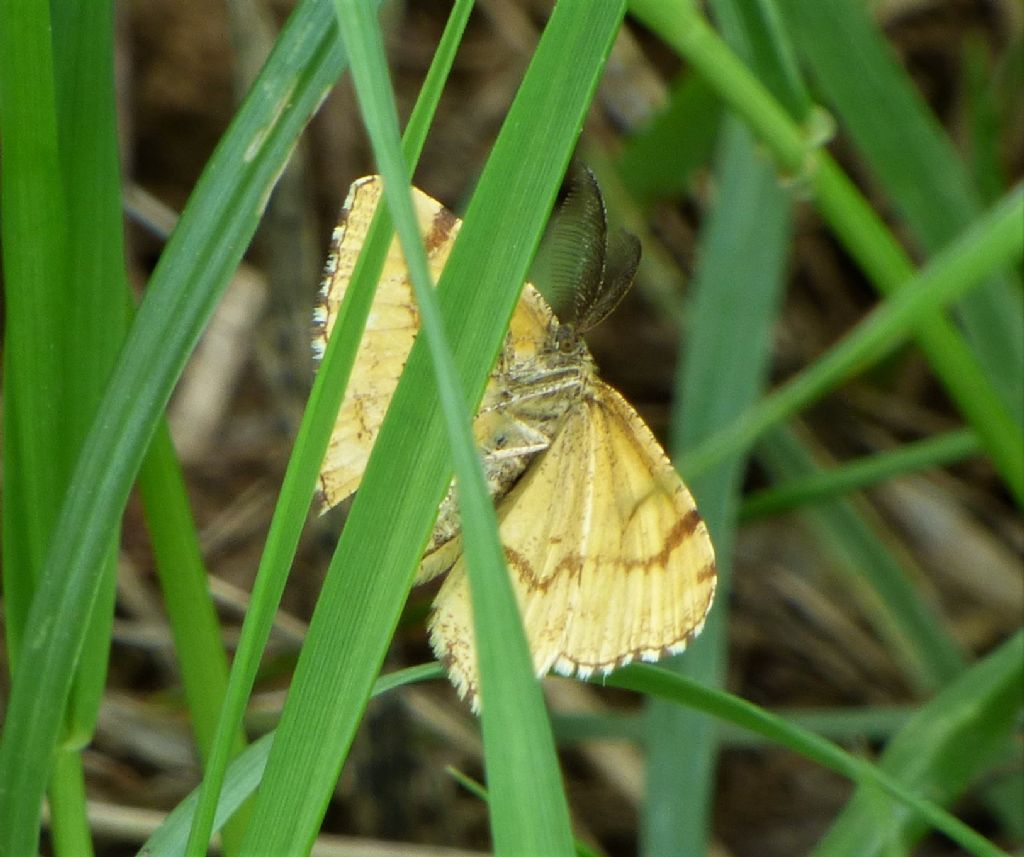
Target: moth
(609, 558)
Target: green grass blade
(311, 443)
(244, 775)
(946, 743)
(991, 243)
(88, 323)
(734, 305)
(678, 804)
(91, 305)
(860, 230)
(530, 812)
(735, 301)
(384, 536)
(866, 472)
(876, 723)
(983, 121)
(915, 162)
(191, 613)
(477, 789)
(181, 296)
(754, 32)
(69, 822)
(179, 565)
(996, 679)
(34, 221)
(64, 321)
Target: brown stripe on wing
(571, 564)
(640, 653)
(708, 572)
(440, 229)
(683, 529)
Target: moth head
(565, 339)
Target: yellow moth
(609, 558)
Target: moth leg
(439, 559)
(506, 446)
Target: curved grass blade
(310, 444)
(866, 472)
(916, 164)
(991, 243)
(203, 251)
(938, 752)
(997, 678)
(863, 234)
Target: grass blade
(856, 225)
(735, 301)
(195, 267)
(996, 680)
(514, 713)
(865, 472)
(34, 219)
(373, 566)
(65, 317)
(939, 750)
(742, 290)
(991, 243)
(907, 150)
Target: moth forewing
(391, 328)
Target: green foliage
(85, 389)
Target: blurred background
(798, 640)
